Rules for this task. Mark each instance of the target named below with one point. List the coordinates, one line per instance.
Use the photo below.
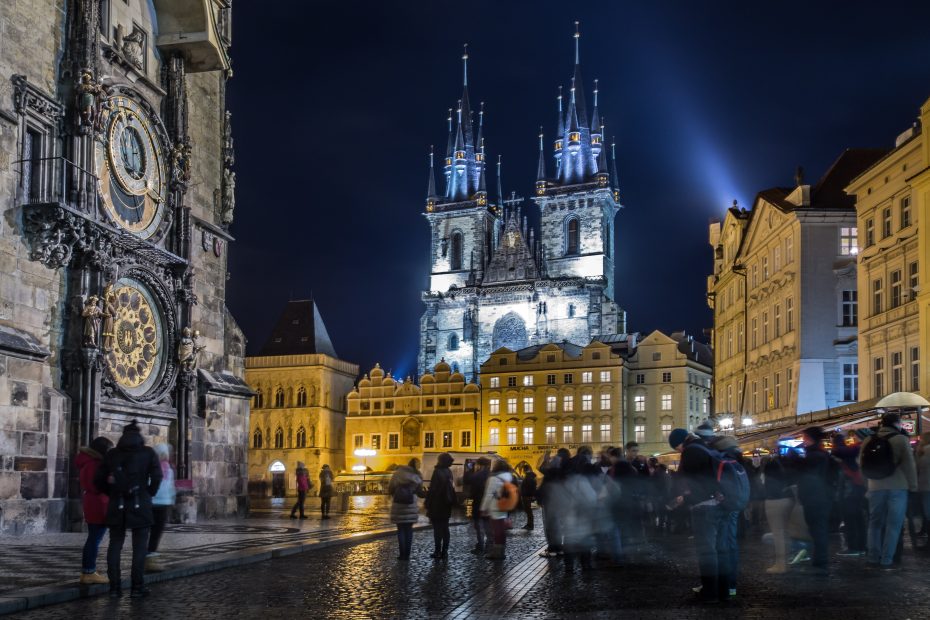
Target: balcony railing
(57, 180)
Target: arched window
(301, 437)
(279, 398)
(258, 400)
(279, 438)
(453, 342)
(257, 438)
(302, 397)
(572, 236)
(456, 259)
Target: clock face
(131, 168)
(136, 349)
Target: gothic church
(496, 282)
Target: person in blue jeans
(888, 494)
(94, 504)
(712, 526)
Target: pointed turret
(578, 161)
(541, 166)
(559, 135)
(431, 183)
(614, 178)
(447, 166)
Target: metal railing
(48, 180)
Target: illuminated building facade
(892, 209)
(298, 411)
(785, 299)
(400, 420)
(497, 282)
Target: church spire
(614, 178)
(431, 184)
(500, 192)
(578, 164)
(541, 166)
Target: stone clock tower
(116, 157)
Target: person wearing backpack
(500, 497)
(851, 496)
(710, 516)
(475, 479)
(130, 474)
(815, 472)
(887, 462)
(440, 499)
(406, 484)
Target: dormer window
(460, 154)
(574, 136)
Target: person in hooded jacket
(131, 475)
(94, 503)
(440, 499)
(815, 491)
(161, 505)
(404, 487)
(500, 473)
(527, 495)
(475, 481)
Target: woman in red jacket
(94, 504)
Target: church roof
(299, 331)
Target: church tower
(579, 204)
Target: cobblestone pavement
(59, 558)
(367, 581)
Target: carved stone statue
(188, 350)
(133, 48)
(87, 92)
(91, 314)
(108, 333)
(181, 162)
(229, 196)
(229, 155)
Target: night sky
(335, 105)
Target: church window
(456, 259)
(279, 438)
(586, 402)
(510, 332)
(301, 437)
(429, 440)
(302, 397)
(512, 405)
(494, 406)
(279, 398)
(568, 403)
(453, 342)
(550, 404)
(257, 438)
(258, 400)
(572, 236)
(393, 440)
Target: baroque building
(117, 196)
(494, 280)
(785, 299)
(892, 207)
(299, 407)
(541, 398)
(400, 420)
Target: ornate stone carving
(107, 333)
(229, 196)
(189, 350)
(131, 46)
(181, 165)
(229, 154)
(29, 99)
(92, 314)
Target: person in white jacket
(500, 474)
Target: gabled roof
(829, 193)
(299, 331)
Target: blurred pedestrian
(816, 479)
(779, 501)
(94, 504)
(475, 479)
(440, 499)
(405, 486)
(851, 494)
(131, 475)
(527, 495)
(548, 495)
(579, 509)
(302, 476)
(923, 479)
(500, 497)
(327, 490)
(161, 506)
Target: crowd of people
(602, 508)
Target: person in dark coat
(852, 489)
(327, 490)
(527, 495)
(815, 492)
(94, 503)
(130, 474)
(440, 499)
(475, 481)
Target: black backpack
(126, 482)
(878, 457)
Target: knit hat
(677, 437)
(132, 427)
(705, 430)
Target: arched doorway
(278, 485)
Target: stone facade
(892, 207)
(299, 408)
(401, 420)
(784, 297)
(149, 216)
(497, 282)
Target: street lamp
(726, 423)
(364, 453)
(747, 421)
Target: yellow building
(549, 396)
(400, 420)
(667, 386)
(298, 411)
(785, 297)
(892, 200)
